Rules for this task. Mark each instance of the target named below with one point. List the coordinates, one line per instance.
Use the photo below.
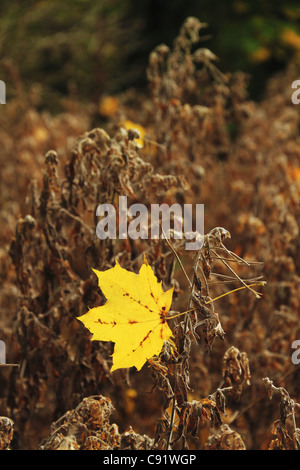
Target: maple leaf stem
(179, 314)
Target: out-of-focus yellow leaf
(261, 55)
(108, 106)
(291, 38)
(137, 127)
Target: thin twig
(171, 423)
(9, 365)
(237, 276)
(177, 257)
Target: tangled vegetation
(230, 383)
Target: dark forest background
(87, 47)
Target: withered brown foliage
(88, 427)
(6, 432)
(205, 143)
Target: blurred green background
(84, 48)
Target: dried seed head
(6, 432)
(51, 157)
(191, 27)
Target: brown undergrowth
(204, 142)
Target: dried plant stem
(236, 275)
(176, 255)
(171, 423)
(235, 290)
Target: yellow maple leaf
(133, 317)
